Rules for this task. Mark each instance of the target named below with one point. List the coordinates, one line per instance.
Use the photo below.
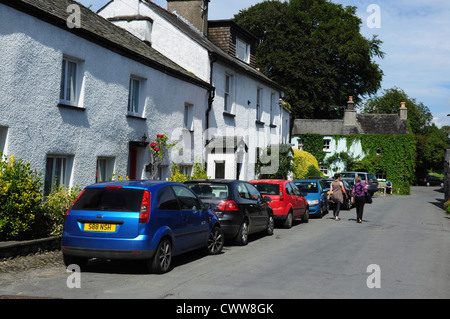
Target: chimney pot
(403, 112)
(350, 103)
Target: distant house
(334, 134)
(82, 103)
(244, 112)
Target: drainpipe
(212, 92)
(212, 95)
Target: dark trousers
(359, 203)
(336, 209)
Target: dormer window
(242, 50)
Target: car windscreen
(268, 189)
(110, 199)
(349, 175)
(371, 177)
(210, 190)
(308, 187)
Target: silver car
(369, 179)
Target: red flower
(159, 135)
(157, 149)
(153, 145)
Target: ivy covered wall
(394, 155)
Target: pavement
(11, 249)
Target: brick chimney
(350, 113)
(194, 11)
(403, 112)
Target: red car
(287, 203)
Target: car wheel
(305, 218)
(242, 236)
(320, 213)
(163, 257)
(288, 222)
(270, 226)
(215, 241)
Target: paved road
(406, 236)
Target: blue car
(315, 193)
(147, 220)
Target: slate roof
(102, 32)
(365, 124)
(214, 50)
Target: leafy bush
(447, 206)
(199, 172)
(305, 165)
(54, 208)
(177, 176)
(20, 198)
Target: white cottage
(334, 132)
(244, 112)
(83, 102)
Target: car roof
(144, 184)
(222, 181)
(308, 180)
(270, 181)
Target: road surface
(401, 250)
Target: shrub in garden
(54, 207)
(305, 165)
(20, 198)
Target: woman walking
(359, 193)
(336, 191)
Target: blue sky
(416, 40)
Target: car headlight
(313, 202)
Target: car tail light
(144, 213)
(281, 192)
(113, 187)
(67, 211)
(229, 205)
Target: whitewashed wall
(33, 126)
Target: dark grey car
(369, 179)
(240, 207)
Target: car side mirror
(267, 199)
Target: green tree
(419, 115)
(314, 48)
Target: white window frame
(229, 93)
(105, 169)
(3, 138)
(259, 101)
(300, 144)
(323, 169)
(242, 50)
(327, 145)
(272, 108)
(188, 118)
(64, 174)
(70, 86)
(134, 97)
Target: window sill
(225, 113)
(130, 116)
(71, 107)
(259, 122)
